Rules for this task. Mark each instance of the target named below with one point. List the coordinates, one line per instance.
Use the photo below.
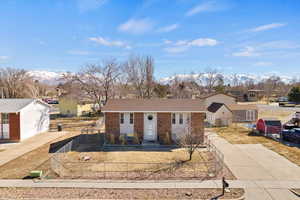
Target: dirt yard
(74, 124)
(38, 158)
(241, 135)
(87, 193)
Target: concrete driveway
(254, 162)
(11, 151)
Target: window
(131, 118)
(180, 118)
(173, 118)
(5, 119)
(122, 118)
(250, 115)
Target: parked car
(292, 135)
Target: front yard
(240, 135)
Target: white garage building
(23, 118)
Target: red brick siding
(112, 125)
(163, 126)
(14, 126)
(197, 124)
(139, 125)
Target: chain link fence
(68, 168)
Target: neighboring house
(219, 115)
(23, 118)
(243, 113)
(154, 120)
(72, 107)
(218, 98)
(255, 95)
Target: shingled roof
(214, 107)
(154, 105)
(15, 105)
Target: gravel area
(81, 193)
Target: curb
(294, 192)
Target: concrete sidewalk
(15, 150)
(151, 184)
(254, 190)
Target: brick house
(22, 118)
(154, 120)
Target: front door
(150, 120)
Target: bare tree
(16, 83)
(211, 79)
(97, 80)
(139, 74)
(190, 140)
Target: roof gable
(214, 94)
(16, 105)
(154, 105)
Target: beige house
(243, 113)
(218, 98)
(218, 114)
(72, 107)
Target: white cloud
(168, 28)
(167, 41)
(263, 64)
(3, 58)
(203, 42)
(246, 52)
(78, 52)
(208, 6)
(110, 43)
(87, 5)
(267, 27)
(183, 45)
(279, 44)
(176, 49)
(137, 26)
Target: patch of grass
(137, 160)
(241, 135)
(74, 124)
(21, 166)
(275, 113)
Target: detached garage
(22, 118)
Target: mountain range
(54, 78)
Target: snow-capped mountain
(53, 78)
(48, 77)
(228, 78)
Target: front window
(5, 118)
(173, 118)
(122, 118)
(180, 118)
(131, 118)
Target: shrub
(135, 138)
(112, 139)
(122, 139)
(167, 139)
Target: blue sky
(234, 36)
